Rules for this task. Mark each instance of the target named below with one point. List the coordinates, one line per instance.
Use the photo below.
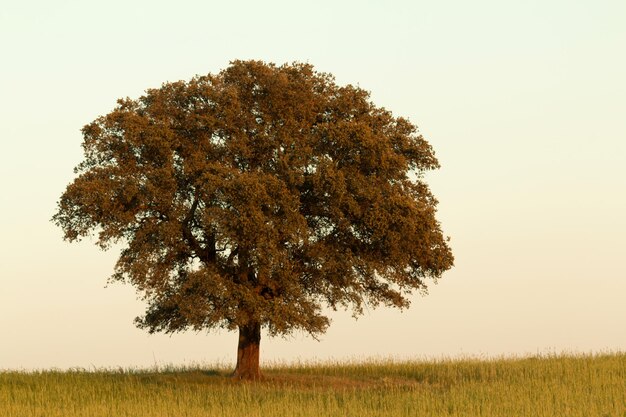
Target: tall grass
(564, 386)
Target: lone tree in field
(252, 198)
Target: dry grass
(569, 386)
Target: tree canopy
(253, 198)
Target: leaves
(258, 194)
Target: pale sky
(523, 102)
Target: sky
(524, 104)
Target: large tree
(252, 198)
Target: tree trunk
(248, 352)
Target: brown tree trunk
(248, 352)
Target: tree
(253, 198)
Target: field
(555, 386)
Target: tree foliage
(257, 196)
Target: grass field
(555, 386)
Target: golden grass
(563, 386)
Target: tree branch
(206, 254)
